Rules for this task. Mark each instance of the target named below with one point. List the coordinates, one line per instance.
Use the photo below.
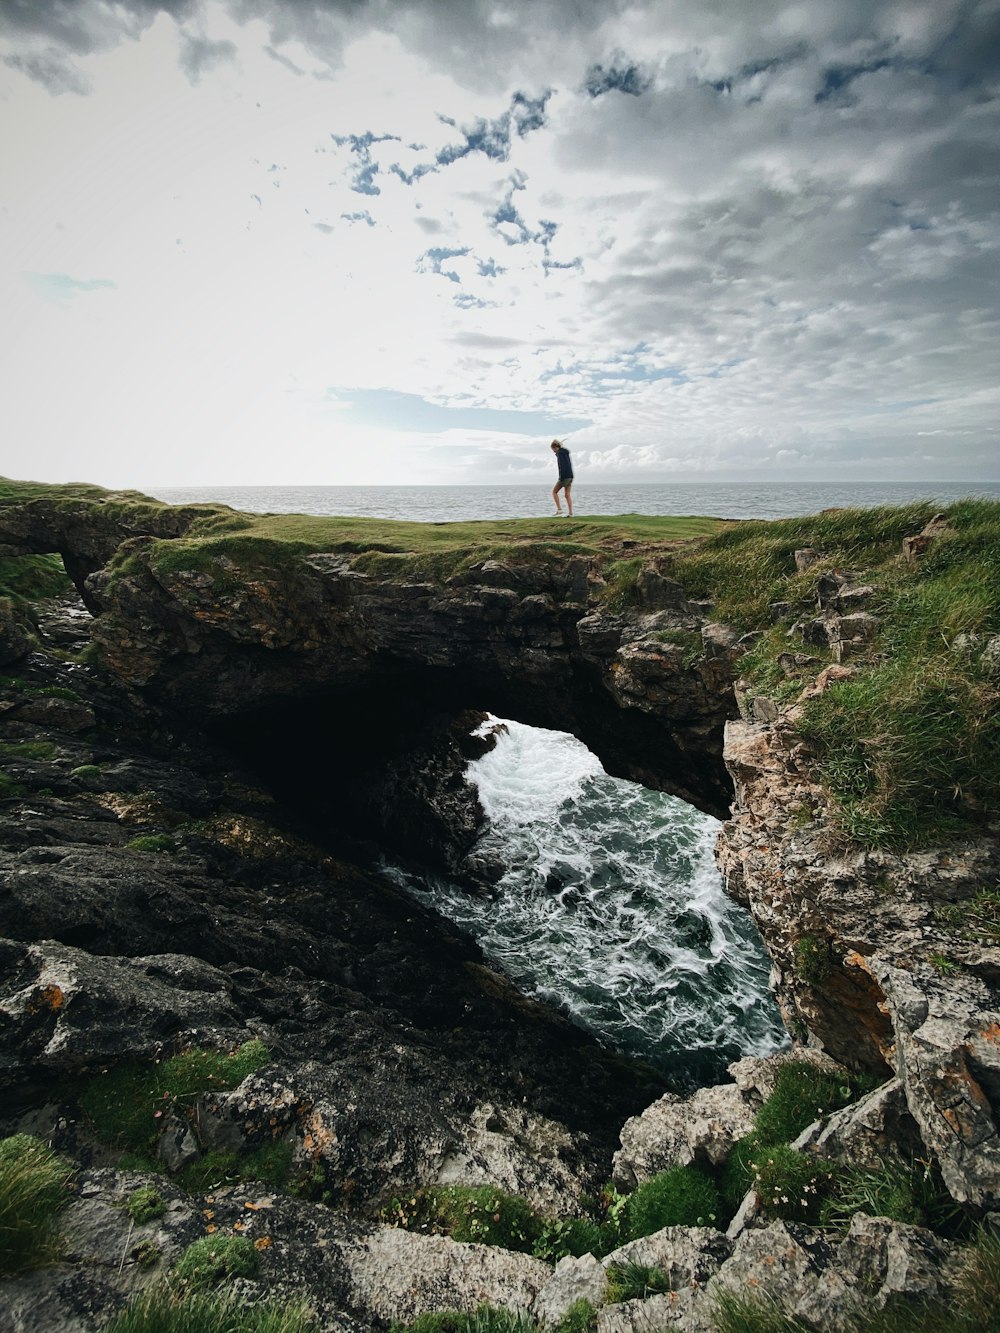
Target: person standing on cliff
(565, 482)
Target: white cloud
(793, 224)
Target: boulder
(699, 1130)
(582, 1279)
(397, 1275)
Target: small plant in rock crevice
(152, 842)
(212, 1259)
(974, 1307)
(802, 1093)
(145, 1205)
(484, 1319)
(631, 1282)
(480, 1214)
(813, 959)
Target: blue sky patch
(60, 287)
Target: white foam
(530, 772)
(611, 906)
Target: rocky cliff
(156, 898)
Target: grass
(30, 578)
(910, 746)
(27, 749)
(488, 1216)
(126, 1104)
(152, 842)
(680, 1197)
(801, 1094)
(165, 1309)
(635, 1282)
(905, 1192)
(270, 1164)
(145, 1205)
(34, 1188)
(213, 1259)
(480, 1214)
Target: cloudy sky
(359, 241)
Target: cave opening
(594, 894)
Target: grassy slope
(910, 746)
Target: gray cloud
(52, 70)
(199, 56)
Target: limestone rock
(914, 547)
(811, 1276)
(396, 1275)
(688, 1256)
(806, 557)
(870, 1132)
(699, 1130)
(947, 1057)
(688, 1309)
(517, 1151)
(582, 1279)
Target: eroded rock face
(855, 939)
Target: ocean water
(449, 504)
(611, 909)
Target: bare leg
(555, 496)
(568, 490)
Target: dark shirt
(565, 465)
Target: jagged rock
(63, 1010)
(106, 1258)
(800, 1266)
(657, 593)
(582, 1279)
(688, 1309)
(914, 547)
(177, 1145)
(699, 1130)
(899, 1264)
(687, 1255)
(719, 640)
(872, 1131)
(793, 664)
(947, 1056)
(516, 1151)
(806, 557)
(396, 1275)
(848, 634)
(810, 1276)
(60, 714)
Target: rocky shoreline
(155, 897)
